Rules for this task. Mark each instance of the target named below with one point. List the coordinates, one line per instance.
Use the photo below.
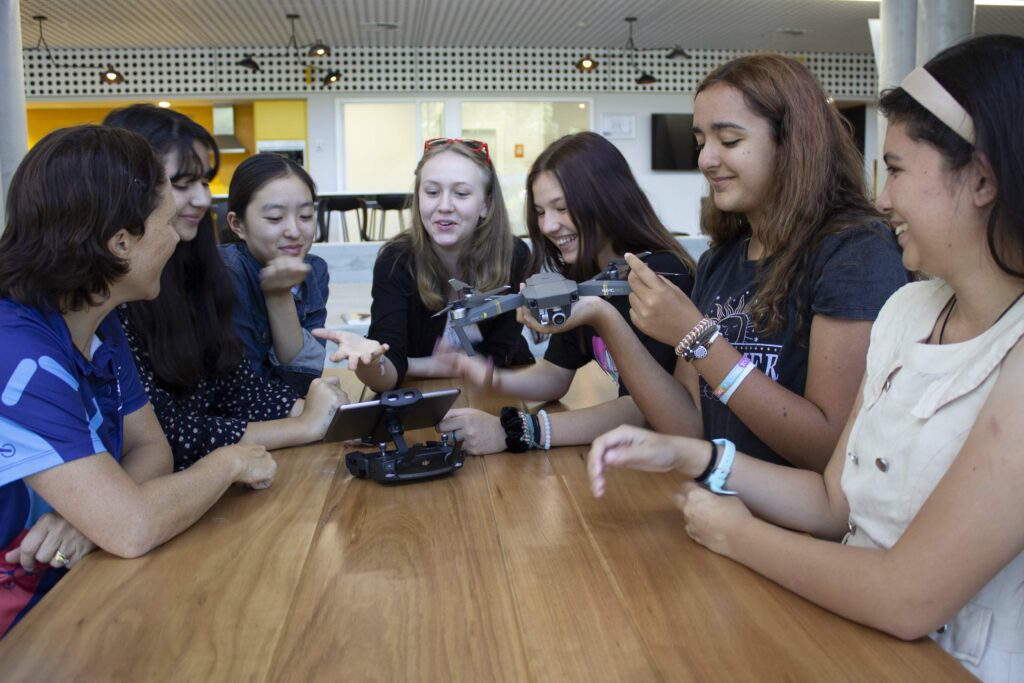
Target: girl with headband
(917, 525)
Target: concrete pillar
(897, 38)
(941, 23)
(14, 131)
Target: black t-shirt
(575, 348)
(399, 318)
(851, 275)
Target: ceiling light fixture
(586, 64)
(42, 40)
(644, 78)
(331, 78)
(677, 53)
(111, 76)
(319, 49)
(249, 63)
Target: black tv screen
(673, 147)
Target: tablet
(368, 419)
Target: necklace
(952, 304)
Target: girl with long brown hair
(776, 332)
(916, 527)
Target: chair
(379, 205)
(328, 204)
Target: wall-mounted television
(673, 147)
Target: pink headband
(930, 94)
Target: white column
(941, 23)
(897, 37)
(14, 131)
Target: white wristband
(718, 478)
(543, 415)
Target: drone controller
(419, 461)
(385, 420)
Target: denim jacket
(253, 324)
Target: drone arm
(494, 307)
(604, 288)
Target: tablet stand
(405, 463)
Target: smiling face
(553, 217)
(153, 247)
(737, 150)
(925, 202)
(190, 187)
(279, 220)
(452, 199)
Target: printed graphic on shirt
(22, 451)
(737, 326)
(604, 358)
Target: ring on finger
(59, 557)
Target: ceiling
(781, 25)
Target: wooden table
(508, 570)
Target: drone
(548, 295)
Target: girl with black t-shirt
(460, 230)
(776, 331)
(585, 208)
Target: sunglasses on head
(474, 145)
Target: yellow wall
(280, 119)
(43, 121)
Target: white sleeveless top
(920, 402)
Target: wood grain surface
(508, 570)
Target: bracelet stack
(695, 345)
(523, 430)
(734, 379)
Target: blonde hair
(485, 262)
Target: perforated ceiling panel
(214, 71)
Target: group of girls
(793, 366)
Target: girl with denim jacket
(282, 288)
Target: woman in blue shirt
(89, 227)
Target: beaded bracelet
(547, 429)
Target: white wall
(675, 195)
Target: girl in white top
(923, 486)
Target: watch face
(700, 352)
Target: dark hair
(819, 187)
(187, 330)
(73, 191)
(170, 132)
(986, 76)
(603, 199)
(486, 262)
(258, 170)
